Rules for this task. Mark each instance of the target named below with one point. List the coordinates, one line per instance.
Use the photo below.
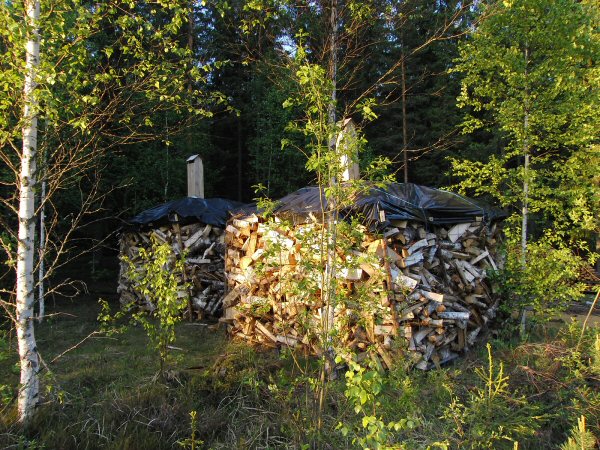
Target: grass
(105, 393)
(108, 381)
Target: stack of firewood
(202, 246)
(431, 292)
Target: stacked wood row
(204, 248)
(432, 290)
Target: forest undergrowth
(108, 393)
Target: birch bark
(525, 210)
(404, 121)
(42, 249)
(29, 385)
(525, 165)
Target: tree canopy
(530, 73)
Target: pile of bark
(431, 296)
(203, 246)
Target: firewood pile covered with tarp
(424, 262)
(194, 228)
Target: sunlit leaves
(530, 70)
(160, 282)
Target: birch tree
(531, 70)
(95, 92)
(29, 389)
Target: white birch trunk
(333, 179)
(525, 211)
(42, 249)
(29, 386)
(404, 121)
(524, 220)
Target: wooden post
(184, 274)
(195, 176)
(347, 150)
(389, 285)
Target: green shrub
(363, 390)
(160, 281)
(546, 284)
(493, 416)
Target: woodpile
(432, 296)
(203, 246)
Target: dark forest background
(241, 143)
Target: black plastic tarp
(212, 211)
(395, 201)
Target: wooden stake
(390, 286)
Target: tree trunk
(525, 211)
(333, 179)
(29, 387)
(42, 249)
(240, 160)
(522, 327)
(331, 234)
(404, 130)
(333, 67)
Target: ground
(105, 392)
